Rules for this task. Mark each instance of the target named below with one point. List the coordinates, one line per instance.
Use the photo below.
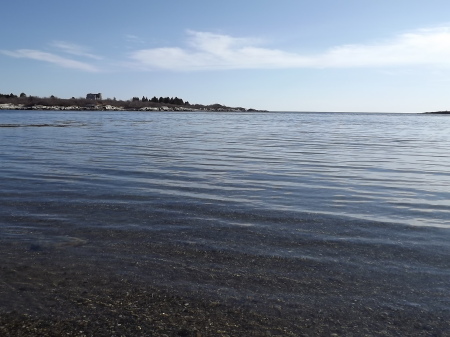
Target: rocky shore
(108, 107)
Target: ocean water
(361, 198)
(382, 167)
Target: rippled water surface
(342, 211)
(382, 167)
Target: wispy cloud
(422, 47)
(51, 58)
(208, 51)
(74, 49)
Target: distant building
(95, 97)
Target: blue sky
(291, 55)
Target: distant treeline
(12, 95)
(165, 100)
(134, 103)
(9, 98)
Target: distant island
(439, 112)
(95, 102)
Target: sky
(277, 55)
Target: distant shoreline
(95, 102)
(108, 107)
(439, 112)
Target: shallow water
(238, 204)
